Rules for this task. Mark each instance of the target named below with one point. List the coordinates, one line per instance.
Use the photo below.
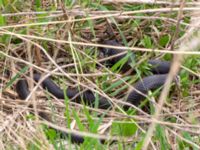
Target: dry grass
(55, 42)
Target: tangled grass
(61, 39)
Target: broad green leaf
(123, 128)
(69, 3)
(51, 134)
(146, 42)
(2, 20)
(43, 18)
(38, 3)
(139, 145)
(30, 117)
(1, 3)
(163, 41)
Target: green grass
(132, 32)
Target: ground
(63, 40)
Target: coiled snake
(158, 67)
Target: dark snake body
(72, 93)
(161, 68)
(23, 92)
(146, 84)
(157, 66)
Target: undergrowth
(30, 29)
